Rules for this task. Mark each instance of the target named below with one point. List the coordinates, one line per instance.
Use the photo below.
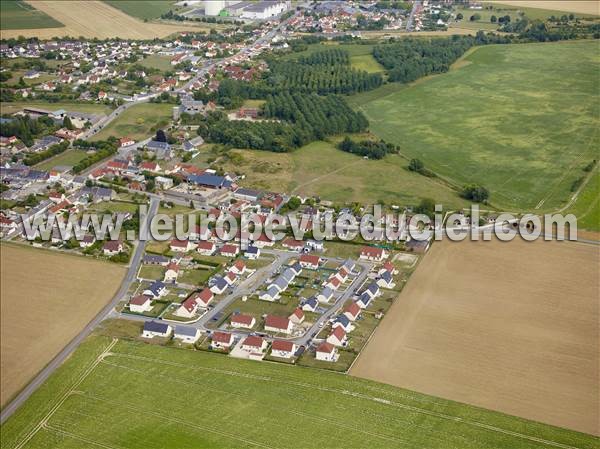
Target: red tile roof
(353, 309)
(371, 251)
(222, 337)
(277, 322)
(309, 259)
(325, 347)
(339, 333)
(282, 345)
(139, 300)
(254, 341)
(242, 319)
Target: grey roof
(272, 291)
(252, 250)
(281, 283)
(343, 320)
(156, 286)
(187, 331)
(220, 282)
(312, 301)
(288, 275)
(327, 292)
(373, 287)
(155, 326)
(155, 145)
(349, 265)
(296, 267)
(365, 299)
(386, 276)
(209, 180)
(152, 258)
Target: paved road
(411, 17)
(73, 344)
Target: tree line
(27, 129)
(104, 149)
(373, 149)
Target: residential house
(151, 259)
(292, 244)
(219, 286)
(311, 304)
(140, 304)
(352, 312)
(239, 320)
(342, 321)
(229, 250)
(271, 294)
(112, 247)
(387, 266)
(156, 329)
(172, 272)
(386, 280)
(337, 337)
(252, 252)
(373, 253)
(87, 241)
(157, 290)
(278, 324)
(372, 289)
(326, 352)
(254, 343)
(364, 300)
(283, 349)
(309, 261)
(325, 295)
(239, 267)
(187, 309)
(297, 317)
(206, 248)
(187, 334)
(181, 246)
(221, 340)
(203, 298)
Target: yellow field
(576, 6)
(93, 18)
(45, 300)
(511, 327)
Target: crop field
(94, 18)
(143, 9)
(138, 122)
(581, 7)
(321, 169)
(507, 116)
(47, 298)
(116, 393)
(17, 14)
(509, 326)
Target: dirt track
(93, 18)
(506, 326)
(46, 298)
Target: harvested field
(95, 19)
(506, 326)
(46, 299)
(577, 6)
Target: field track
(94, 18)
(463, 331)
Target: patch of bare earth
(511, 327)
(45, 300)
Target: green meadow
(17, 15)
(118, 393)
(138, 122)
(509, 117)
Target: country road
(89, 327)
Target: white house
(271, 294)
(206, 248)
(172, 272)
(155, 329)
(221, 340)
(181, 246)
(187, 334)
(337, 337)
(254, 343)
(140, 304)
(325, 295)
(283, 349)
(239, 320)
(278, 324)
(297, 317)
(372, 253)
(326, 352)
(187, 309)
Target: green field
(116, 393)
(69, 157)
(361, 57)
(587, 205)
(321, 169)
(162, 63)
(17, 15)
(12, 107)
(509, 117)
(138, 122)
(143, 9)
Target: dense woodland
(410, 59)
(303, 118)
